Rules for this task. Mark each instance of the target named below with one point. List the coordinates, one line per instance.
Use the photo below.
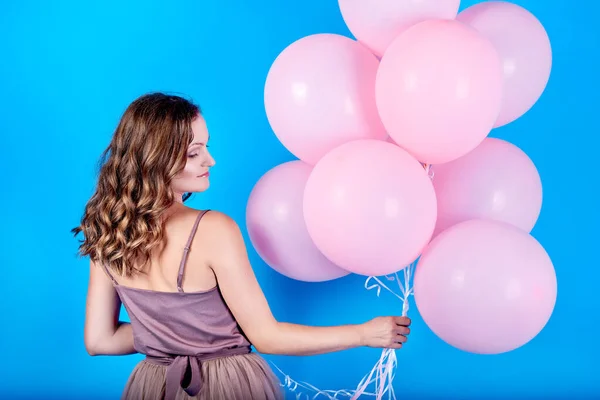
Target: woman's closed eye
(196, 154)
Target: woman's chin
(203, 187)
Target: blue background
(69, 69)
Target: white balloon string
(383, 372)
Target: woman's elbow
(267, 341)
(91, 350)
(92, 346)
(264, 347)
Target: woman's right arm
(242, 293)
(104, 334)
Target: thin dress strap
(186, 250)
(106, 269)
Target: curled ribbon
(383, 372)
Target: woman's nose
(209, 162)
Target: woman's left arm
(104, 334)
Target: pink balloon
(377, 22)
(525, 50)
(320, 93)
(495, 181)
(439, 89)
(485, 287)
(276, 227)
(369, 207)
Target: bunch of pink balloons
(422, 84)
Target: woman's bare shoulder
(219, 223)
(185, 215)
(180, 222)
(219, 236)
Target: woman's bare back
(160, 274)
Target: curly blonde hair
(122, 222)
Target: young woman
(183, 275)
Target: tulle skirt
(239, 377)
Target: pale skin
(218, 255)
